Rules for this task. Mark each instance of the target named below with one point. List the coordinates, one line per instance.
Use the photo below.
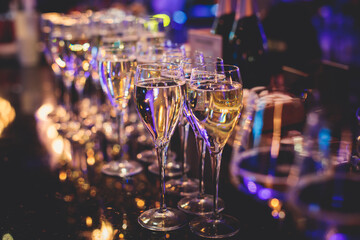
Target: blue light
(213, 9)
(258, 124)
(179, 17)
(202, 11)
(324, 139)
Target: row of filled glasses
(209, 99)
(170, 89)
(212, 101)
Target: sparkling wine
(215, 108)
(117, 76)
(159, 102)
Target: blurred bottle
(26, 32)
(248, 45)
(224, 19)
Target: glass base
(172, 169)
(163, 221)
(225, 226)
(122, 168)
(149, 156)
(188, 187)
(200, 205)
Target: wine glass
(184, 186)
(154, 54)
(159, 96)
(215, 102)
(116, 69)
(201, 204)
(323, 181)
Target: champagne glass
(201, 204)
(116, 68)
(323, 180)
(155, 54)
(159, 96)
(215, 102)
(184, 186)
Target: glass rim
(348, 218)
(231, 68)
(157, 66)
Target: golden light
(60, 62)
(90, 161)
(106, 232)
(167, 235)
(62, 176)
(88, 221)
(116, 149)
(140, 203)
(55, 68)
(58, 145)
(121, 236)
(51, 132)
(157, 204)
(274, 203)
(7, 114)
(90, 152)
(85, 65)
(44, 111)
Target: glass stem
(121, 130)
(162, 159)
(201, 148)
(215, 164)
(184, 140)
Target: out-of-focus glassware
(264, 146)
(116, 68)
(159, 96)
(47, 21)
(215, 102)
(323, 180)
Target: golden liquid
(118, 76)
(215, 109)
(159, 103)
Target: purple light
(264, 194)
(338, 236)
(252, 187)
